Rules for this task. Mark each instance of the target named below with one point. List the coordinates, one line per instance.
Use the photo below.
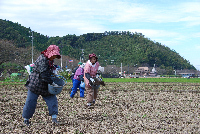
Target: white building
(186, 75)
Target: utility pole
(82, 53)
(61, 55)
(121, 69)
(61, 60)
(60, 46)
(32, 47)
(128, 68)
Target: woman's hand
(55, 85)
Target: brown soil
(120, 108)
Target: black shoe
(54, 121)
(26, 122)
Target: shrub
(65, 74)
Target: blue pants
(31, 101)
(76, 84)
(72, 82)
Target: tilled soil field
(120, 108)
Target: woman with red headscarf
(37, 84)
(90, 72)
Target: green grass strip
(178, 80)
(12, 83)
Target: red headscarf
(51, 51)
(93, 55)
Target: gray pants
(31, 102)
(91, 93)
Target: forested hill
(113, 47)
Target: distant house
(142, 71)
(186, 75)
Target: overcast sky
(174, 23)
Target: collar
(91, 63)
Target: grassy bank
(179, 80)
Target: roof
(186, 73)
(15, 74)
(145, 68)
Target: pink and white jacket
(91, 69)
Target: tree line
(112, 47)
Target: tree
(10, 53)
(6, 51)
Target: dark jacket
(40, 77)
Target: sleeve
(87, 68)
(42, 67)
(82, 75)
(87, 75)
(74, 71)
(87, 71)
(78, 71)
